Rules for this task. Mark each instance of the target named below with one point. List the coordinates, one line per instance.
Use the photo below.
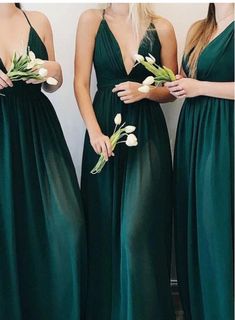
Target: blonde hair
(198, 37)
(139, 14)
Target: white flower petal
(39, 61)
(150, 60)
(129, 129)
(30, 65)
(138, 57)
(52, 81)
(131, 140)
(152, 57)
(148, 81)
(32, 56)
(42, 72)
(144, 89)
(118, 119)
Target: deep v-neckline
(6, 70)
(119, 47)
(217, 37)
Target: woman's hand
(128, 92)
(4, 81)
(184, 87)
(101, 144)
(53, 69)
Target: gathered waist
(109, 84)
(21, 89)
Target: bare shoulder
(91, 17)
(37, 18)
(40, 22)
(164, 27)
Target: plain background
(64, 19)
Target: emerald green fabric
(204, 178)
(42, 229)
(128, 205)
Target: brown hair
(198, 37)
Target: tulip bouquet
(27, 66)
(161, 74)
(120, 131)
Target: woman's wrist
(55, 72)
(148, 95)
(93, 131)
(203, 88)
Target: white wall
(63, 18)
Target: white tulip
(129, 129)
(138, 57)
(148, 81)
(43, 72)
(131, 140)
(52, 81)
(118, 119)
(31, 64)
(152, 57)
(32, 56)
(39, 61)
(150, 60)
(144, 89)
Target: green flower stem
(116, 136)
(162, 74)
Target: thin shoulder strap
(103, 15)
(27, 18)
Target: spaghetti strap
(27, 18)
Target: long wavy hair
(199, 36)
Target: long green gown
(42, 227)
(204, 160)
(128, 205)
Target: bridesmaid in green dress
(204, 173)
(128, 205)
(42, 240)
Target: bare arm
(85, 42)
(223, 90)
(43, 27)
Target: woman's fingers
(5, 79)
(126, 98)
(179, 94)
(123, 93)
(97, 148)
(103, 146)
(3, 83)
(171, 84)
(178, 76)
(108, 146)
(34, 81)
(175, 89)
(104, 150)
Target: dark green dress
(128, 205)
(204, 160)
(42, 240)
